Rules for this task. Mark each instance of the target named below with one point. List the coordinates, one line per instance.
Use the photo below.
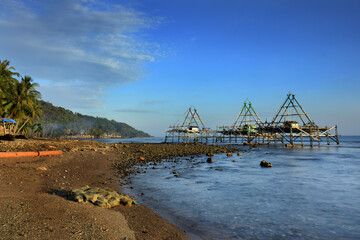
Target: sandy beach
(34, 202)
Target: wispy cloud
(72, 95)
(94, 44)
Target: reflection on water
(307, 194)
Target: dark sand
(33, 202)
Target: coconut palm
(6, 71)
(6, 80)
(21, 101)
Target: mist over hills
(58, 121)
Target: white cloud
(75, 95)
(95, 44)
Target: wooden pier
(248, 129)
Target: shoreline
(33, 203)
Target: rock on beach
(105, 198)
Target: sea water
(309, 193)
(129, 140)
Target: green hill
(58, 121)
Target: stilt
(328, 138)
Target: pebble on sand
(41, 168)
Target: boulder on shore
(210, 160)
(264, 163)
(105, 198)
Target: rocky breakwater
(134, 155)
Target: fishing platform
(291, 126)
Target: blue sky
(146, 62)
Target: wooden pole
(328, 138)
(22, 126)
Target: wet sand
(33, 198)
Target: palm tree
(21, 101)
(6, 71)
(6, 80)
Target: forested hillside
(58, 121)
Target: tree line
(58, 121)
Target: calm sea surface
(129, 140)
(309, 193)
